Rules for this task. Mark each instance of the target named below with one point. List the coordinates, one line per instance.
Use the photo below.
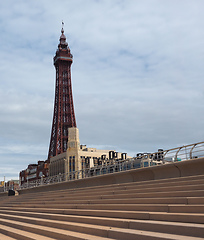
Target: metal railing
(161, 157)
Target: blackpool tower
(63, 115)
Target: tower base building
(79, 157)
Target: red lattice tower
(63, 116)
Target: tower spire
(63, 116)
(63, 44)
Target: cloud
(137, 75)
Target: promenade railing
(142, 160)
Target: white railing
(183, 153)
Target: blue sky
(137, 75)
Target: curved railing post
(191, 151)
(176, 155)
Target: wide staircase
(170, 208)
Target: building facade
(34, 172)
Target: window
(73, 163)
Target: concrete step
(192, 193)
(147, 235)
(147, 228)
(186, 182)
(126, 201)
(133, 195)
(113, 195)
(50, 232)
(178, 217)
(137, 185)
(10, 233)
(122, 207)
(125, 207)
(172, 200)
(84, 212)
(153, 188)
(4, 237)
(186, 208)
(91, 229)
(191, 180)
(118, 214)
(125, 190)
(195, 200)
(196, 230)
(157, 207)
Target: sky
(137, 75)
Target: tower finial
(63, 44)
(62, 24)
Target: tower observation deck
(63, 115)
